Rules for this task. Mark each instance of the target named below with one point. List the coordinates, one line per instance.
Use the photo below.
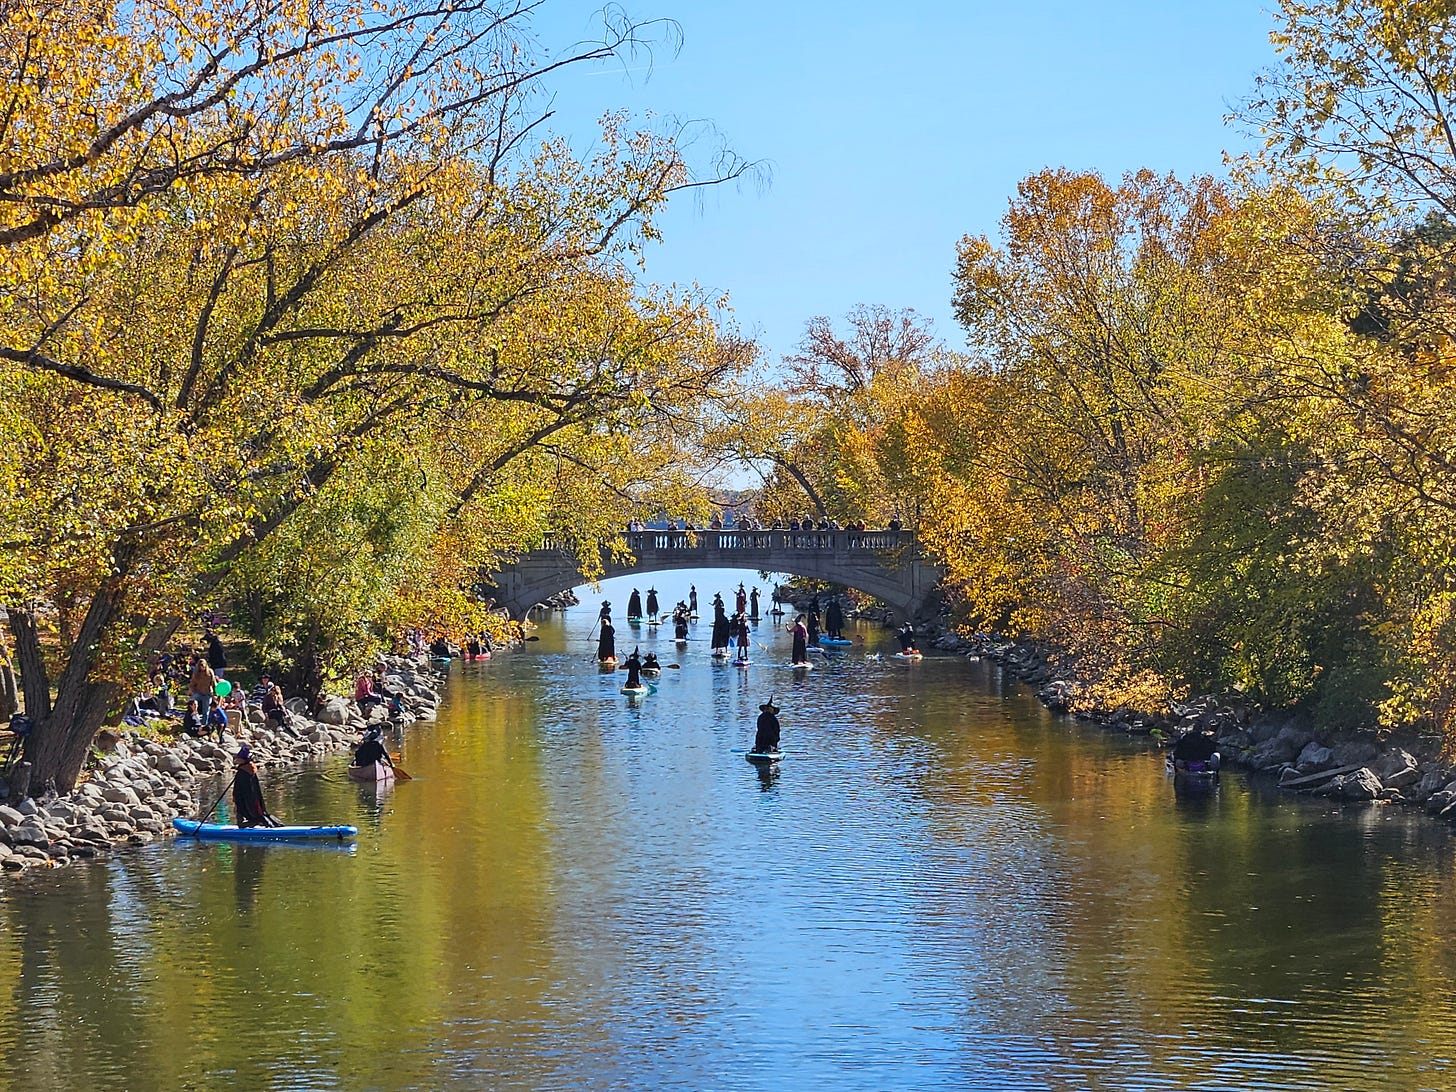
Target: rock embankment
(139, 785)
(1343, 765)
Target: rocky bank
(137, 787)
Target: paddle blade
(400, 774)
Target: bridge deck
(737, 546)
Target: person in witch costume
(248, 793)
(766, 738)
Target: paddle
(397, 771)
(203, 817)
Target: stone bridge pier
(888, 565)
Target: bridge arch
(885, 564)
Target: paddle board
(221, 832)
(764, 757)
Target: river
(941, 886)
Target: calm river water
(942, 886)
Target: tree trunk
(61, 739)
(35, 683)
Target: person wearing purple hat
(248, 793)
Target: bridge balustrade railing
(771, 540)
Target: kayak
(375, 771)
(223, 832)
(764, 758)
(837, 642)
(1194, 769)
(440, 660)
(909, 656)
(651, 672)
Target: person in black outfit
(371, 750)
(634, 671)
(216, 654)
(607, 642)
(766, 738)
(248, 793)
(1195, 746)
(605, 614)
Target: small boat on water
(374, 771)
(1194, 771)
(651, 672)
(221, 832)
(909, 656)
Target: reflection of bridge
(885, 564)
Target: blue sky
(891, 131)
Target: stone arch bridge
(888, 565)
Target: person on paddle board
(740, 601)
(753, 605)
(652, 602)
(766, 738)
(907, 638)
(680, 624)
(812, 625)
(801, 641)
(605, 614)
(692, 599)
(371, 750)
(834, 620)
(634, 605)
(248, 793)
(740, 626)
(607, 642)
(633, 665)
(721, 636)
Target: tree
(352, 254)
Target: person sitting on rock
(365, 694)
(272, 704)
(217, 721)
(194, 723)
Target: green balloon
(223, 688)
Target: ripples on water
(940, 887)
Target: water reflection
(940, 886)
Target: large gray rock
(120, 794)
(1394, 762)
(334, 711)
(1314, 757)
(27, 834)
(9, 816)
(1350, 752)
(1360, 785)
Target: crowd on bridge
(745, 531)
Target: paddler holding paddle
(766, 738)
(248, 793)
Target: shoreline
(141, 784)
(1353, 766)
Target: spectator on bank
(201, 684)
(216, 654)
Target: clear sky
(893, 130)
